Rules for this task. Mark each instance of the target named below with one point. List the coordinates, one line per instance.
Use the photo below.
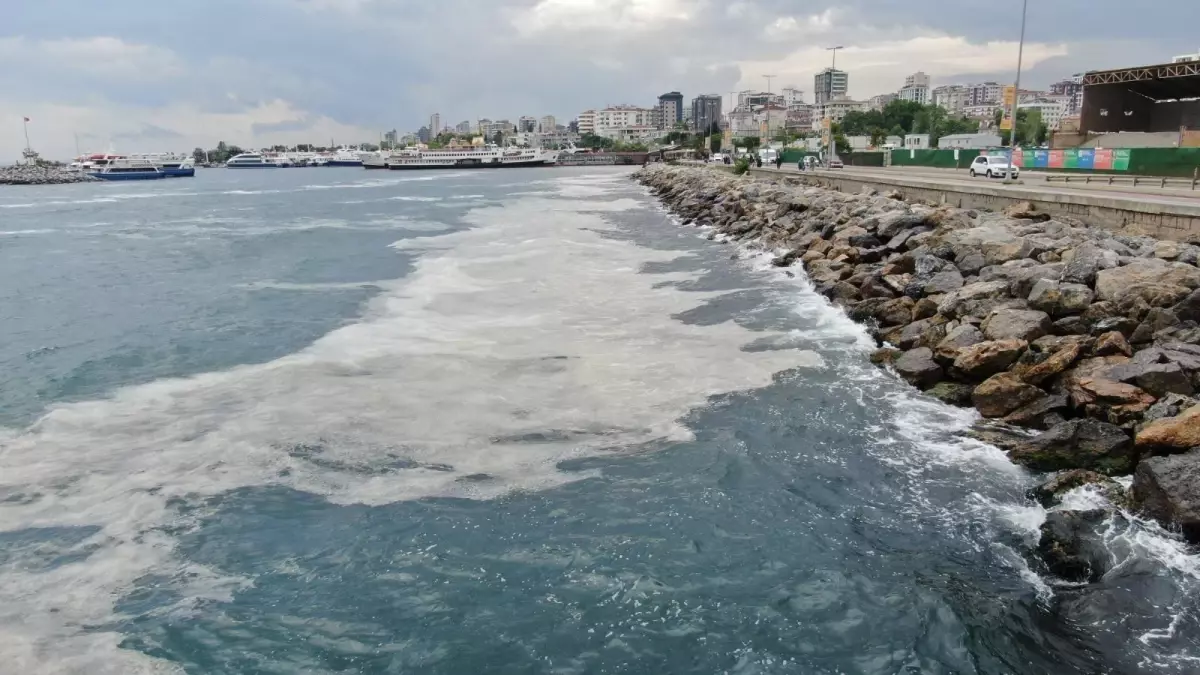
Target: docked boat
(172, 165)
(251, 160)
(480, 157)
(345, 157)
(126, 168)
(373, 160)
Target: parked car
(992, 166)
(835, 163)
(717, 158)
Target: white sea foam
(516, 344)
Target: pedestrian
(758, 161)
(779, 161)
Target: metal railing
(1112, 179)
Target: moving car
(835, 163)
(992, 167)
(717, 158)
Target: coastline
(1080, 348)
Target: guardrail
(1112, 179)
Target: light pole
(1012, 130)
(828, 96)
(768, 107)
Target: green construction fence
(935, 159)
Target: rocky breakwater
(1080, 347)
(41, 174)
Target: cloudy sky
(149, 75)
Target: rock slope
(1089, 337)
(41, 174)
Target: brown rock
(1172, 434)
(1026, 325)
(812, 256)
(1041, 414)
(1002, 394)
(895, 312)
(1112, 343)
(953, 393)
(985, 359)
(1113, 284)
(1098, 367)
(1053, 365)
(1025, 211)
(918, 368)
(885, 356)
(925, 308)
(957, 339)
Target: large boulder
(1003, 393)
(1040, 370)
(953, 393)
(1168, 490)
(1188, 309)
(1078, 444)
(1112, 343)
(1116, 402)
(1049, 493)
(1060, 299)
(975, 299)
(1043, 413)
(895, 312)
(918, 368)
(1137, 300)
(1005, 324)
(1071, 545)
(1171, 434)
(947, 280)
(1084, 262)
(980, 360)
(1113, 284)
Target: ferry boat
(250, 160)
(126, 168)
(480, 157)
(345, 157)
(373, 160)
(172, 166)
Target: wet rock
(957, 339)
(1060, 299)
(1003, 393)
(1071, 545)
(1000, 436)
(1039, 371)
(842, 291)
(1043, 413)
(918, 368)
(1167, 489)
(980, 360)
(953, 393)
(885, 356)
(1050, 492)
(895, 312)
(1171, 434)
(1027, 325)
(1112, 343)
(1078, 444)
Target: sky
(164, 75)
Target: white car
(717, 157)
(992, 167)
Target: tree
(198, 155)
(841, 143)
(715, 144)
(997, 117)
(878, 137)
(498, 138)
(750, 143)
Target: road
(1028, 181)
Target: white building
(463, 127)
(1186, 58)
(435, 124)
(880, 101)
(969, 141)
(916, 88)
(623, 116)
(587, 122)
(985, 112)
(830, 84)
(527, 124)
(835, 110)
(548, 125)
(916, 141)
(951, 97)
(631, 134)
(1053, 109)
(984, 93)
(793, 97)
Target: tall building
(435, 124)
(793, 97)
(952, 98)
(1072, 88)
(463, 127)
(985, 93)
(526, 124)
(587, 122)
(548, 125)
(836, 109)
(706, 109)
(829, 84)
(423, 134)
(391, 137)
(880, 101)
(916, 88)
(670, 106)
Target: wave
(531, 324)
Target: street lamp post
(768, 106)
(828, 96)
(1012, 131)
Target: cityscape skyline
(78, 69)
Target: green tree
(714, 144)
(841, 144)
(878, 136)
(750, 143)
(198, 155)
(498, 138)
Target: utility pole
(828, 96)
(768, 107)
(1012, 131)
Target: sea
(342, 421)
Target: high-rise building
(880, 101)
(829, 84)
(916, 88)
(706, 109)
(548, 125)
(463, 127)
(1072, 88)
(435, 124)
(985, 93)
(670, 106)
(952, 98)
(793, 97)
(423, 134)
(587, 122)
(391, 137)
(526, 124)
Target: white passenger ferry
(480, 157)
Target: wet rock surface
(1090, 337)
(38, 174)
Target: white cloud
(791, 27)
(602, 15)
(99, 56)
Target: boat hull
(129, 175)
(252, 166)
(179, 172)
(344, 162)
(480, 165)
